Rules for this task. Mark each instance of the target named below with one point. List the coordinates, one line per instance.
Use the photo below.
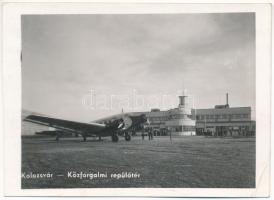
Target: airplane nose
(145, 119)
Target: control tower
(181, 121)
(183, 99)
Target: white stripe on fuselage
(97, 124)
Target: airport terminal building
(179, 120)
(225, 121)
(221, 120)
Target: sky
(85, 67)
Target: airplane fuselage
(113, 126)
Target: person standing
(143, 135)
(149, 134)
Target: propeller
(121, 124)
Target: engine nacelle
(127, 122)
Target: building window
(238, 116)
(178, 128)
(188, 128)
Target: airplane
(115, 126)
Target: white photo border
(11, 76)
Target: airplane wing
(66, 125)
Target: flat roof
(231, 110)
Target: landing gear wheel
(115, 138)
(127, 137)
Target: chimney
(226, 98)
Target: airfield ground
(184, 162)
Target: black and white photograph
(137, 100)
(162, 100)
